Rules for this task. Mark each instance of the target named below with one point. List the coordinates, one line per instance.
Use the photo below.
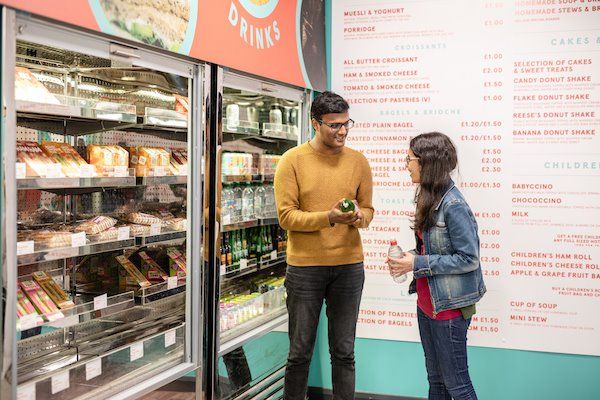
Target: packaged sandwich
(96, 225)
(142, 219)
(107, 159)
(177, 263)
(129, 275)
(36, 161)
(29, 88)
(41, 301)
(56, 293)
(175, 224)
(179, 161)
(147, 266)
(64, 154)
(182, 104)
(51, 239)
(149, 161)
(139, 230)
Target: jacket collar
(451, 185)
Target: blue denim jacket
(451, 261)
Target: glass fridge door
(260, 122)
(104, 214)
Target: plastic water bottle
(248, 203)
(236, 215)
(395, 251)
(270, 209)
(259, 201)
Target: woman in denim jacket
(445, 265)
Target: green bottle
(347, 205)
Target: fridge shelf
(247, 178)
(166, 237)
(164, 118)
(249, 224)
(75, 183)
(60, 253)
(162, 180)
(81, 312)
(234, 271)
(254, 329)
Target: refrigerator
(102, 209)
(255, 122)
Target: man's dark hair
(328, 103)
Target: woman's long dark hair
(437, 158)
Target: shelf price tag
(223, 269)
(26, 392)
(60, 382)
(159, 171)
(170, 338)
(100, 302)
(123, 233)
(53, 170)
(93, 369)
(28, 321)
(121, 171)
(25, 247)
(155, 229)
(172, 282)
(274, 255)
(78, 239)
(136, 351)
(20, 170)
(243, 263)
(86, 171)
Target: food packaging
(41, 301)
(64, 154)
(56, 293)
(36, 161)
(106, 158)
(129, 275)
(96, 225)
(177, 262)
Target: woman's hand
(400, 266)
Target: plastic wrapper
(36, 161)
(56, 293)
(150, 268)
(96, 225)
(51, 239)
(64, 154)
(42, 302)
(146, 159)
(179, 161)
(106, 158)
(129, 275)
(139, 230)
(29, 88)
(177, 262)
(175, 224)
(142, 219)
(24, 306)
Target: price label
(121, 171)
(136, 351)
(26, 392)
(123, 233)
(170, 338)
(53, 170)
(274, 255)
(223, 270)
(58, 279)
(155, 229)
(78, 239)
(171, 282)
(20, 170)
(243, 263)
(159, 171)
(25, 247)
(28, 321)
(86, 171)
(100, 302)
(226, 219)
(93, 369)
(60, 382)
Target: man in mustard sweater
(324, 254)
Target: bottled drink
(252, 243)
(269, 208)
(247, 203)
(395, 251)
(245, 251)
(259, 201)
(237, 201)
(227, 248)
(227, 205)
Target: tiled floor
(178, 390)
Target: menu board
(516, 85)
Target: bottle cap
(393, 243)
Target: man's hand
(359, 214)
(336, 216)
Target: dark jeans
(341, 287)
(445, 346)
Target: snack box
(36, 161)
(150, 268)
(66, 156)
(177, 263)
(106, 158)
(42, 302)
(146, 159)
(56, 293)
(24, 306)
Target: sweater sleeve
(364, 196)
(291, 217)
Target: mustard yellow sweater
(307, 185)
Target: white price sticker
(21, 170)
(171, 282)
(155, 229)
(170, 338)
(121, 171)
(53, 170)
(136, 351)
(60, 382)
(226, 219)
(26, 392)
(78, 239)
(123, 233)
(223, 270)
(28, 321)
(25, 247)
(274, 255)
(86, 171)
(93, 369)
(159, 171)
(243, 263)
(100, 302)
